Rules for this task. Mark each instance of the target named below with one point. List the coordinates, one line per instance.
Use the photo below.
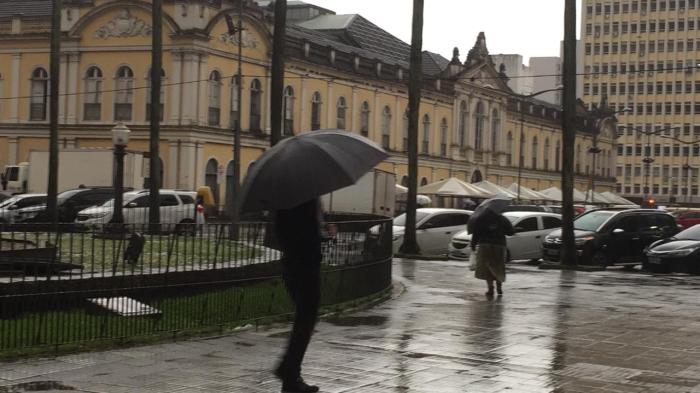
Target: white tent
(401, 193)
(596, 198)
(495, 189)
(616, 199)
(454, 187)
(552, 193)
(400, 189)
(579, 196)
(527, 193)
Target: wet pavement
(553, 331)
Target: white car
(434, 229)
(12, 209)
(526, 243)
(176, 207)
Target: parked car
(530, 228)
(177, 209)
(688, 218)
(434, 228)
(528, 208)
(578, 209)
(679, 253)
(11, 209)
(613, 237)
(69, 203)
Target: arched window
(386, 127)
(425, 144)
(230, 196)
(316, 111)
(289, 111)
(364, 119)
(586, 161)
(124, 94)
(443, 137)
(92, 101)
(340, 113)
(404, 180)
(509, 149)
(463, 119)
(234, 116)
(148, 95)
(578, 159)
(545, 155)
(211, 178)
(214, 98)
(423, 181)
(39, 93)
(404, 127)
(479, 126)
(255, 105)
(557, 156)
(534, 152)
(521, 151)
(495, 130)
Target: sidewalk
(553, 331)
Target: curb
(578, 268)
(423, 257)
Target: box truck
(374, 193)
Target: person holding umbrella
(489, 229)
(288, 179)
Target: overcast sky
(526, 27)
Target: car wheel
(186, 227)
(599, 259)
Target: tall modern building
(643, 55)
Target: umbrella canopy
(579, 196)
(596, 198)
(495, 189)
(528, 193)
(307, 166)
(399, 189)
(616, 199)
(552, 193)
(454, 187)
(486, 211)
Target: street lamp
(120, 138)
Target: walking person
(298, 232)
(489, 229)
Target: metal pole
(410, 246)
(568, 250)
(156, 67)
(54, 71)
(277, 88)
(117, 215)
(520, 149)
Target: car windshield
(64, 196)
(592, 221)
(9, 201)
(692, 233)
(400, 221)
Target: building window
(509, 149)
(255, 105)
(534, 152)
(289, 110)
(340, 113)
(386, 127)
(463, 119)
(495, 130)
(479, 118)
(405, 130)
(443, 137)
(92, 102)
(148, 95)
(316, 111)
(124, 94)
(425, 145)
(235, 101)
(39, 94)
(214, 98)
(546, 154)
(364, 119)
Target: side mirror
(618, 231)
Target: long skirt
(491, 262)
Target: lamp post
(601, 115)
(120, 138)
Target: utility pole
(156, 69)
(410, 246)
(277, 88)
(54, 71)
(568, 250)
(521, 155)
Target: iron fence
(69, 285)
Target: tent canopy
(529, 194)
(454, 187)
(596, 198)
(552, 193)
(616, 199)
(495, 189)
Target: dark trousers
(304, 286)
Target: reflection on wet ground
(613, 331)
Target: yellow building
(339, 74)
(643, 55)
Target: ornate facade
(342, 72)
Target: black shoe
(298, 386)
(499, 290)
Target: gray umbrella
(307, 166)
(484, 212)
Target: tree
(410, 246)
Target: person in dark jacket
(489, 229)
(298, 232)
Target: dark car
(680, 253)
(689, 218)
(528, 208)
(613, 237)
(71, 202)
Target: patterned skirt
(491, 262)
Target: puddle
(38, 386)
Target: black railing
(69, 287)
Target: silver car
(11, 209)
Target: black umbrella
(304, 167)
(484, 213)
